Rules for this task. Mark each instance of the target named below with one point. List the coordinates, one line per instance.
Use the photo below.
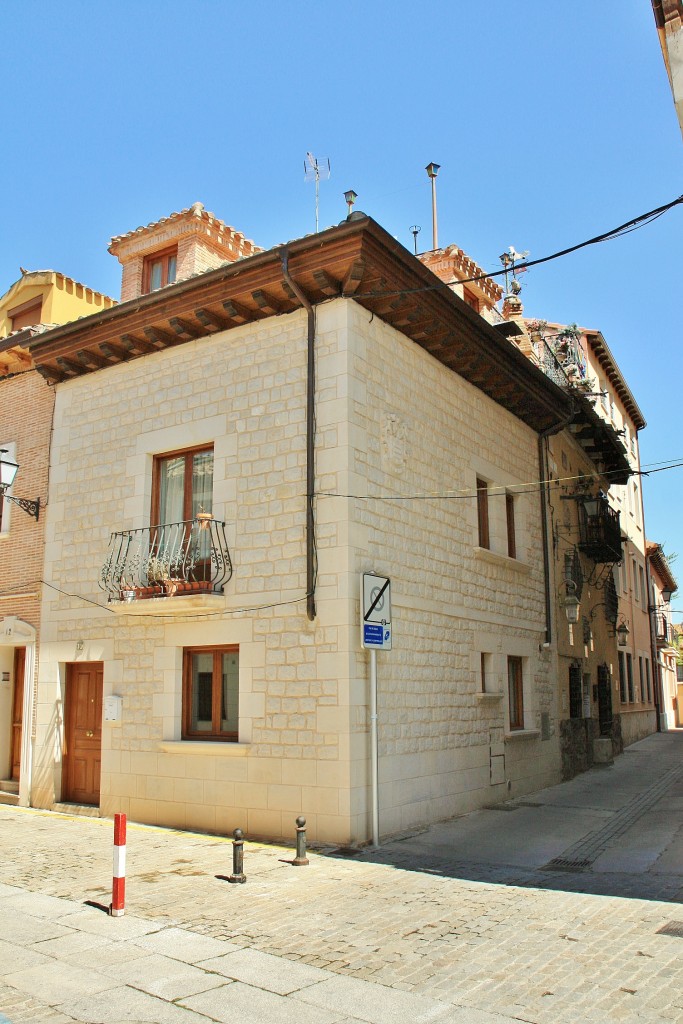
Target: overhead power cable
(529, 486)
(606, 236)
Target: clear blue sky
(552, 123)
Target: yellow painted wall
(63, 299)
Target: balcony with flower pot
(168, 569)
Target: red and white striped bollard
(118, 892)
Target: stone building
(230, 452)
(580, 462)
(662, 585)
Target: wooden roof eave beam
(210, 319)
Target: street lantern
(571, 603)
(8, 471)
(622, 634)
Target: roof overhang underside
(357, 260)
(600, 442)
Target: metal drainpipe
(542, 472)
(310, 439)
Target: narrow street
(563, 907)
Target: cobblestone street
(533, 954)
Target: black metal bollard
(238, 874)
(301, 859)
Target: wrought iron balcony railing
(599, 530)
(167, 560)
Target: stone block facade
(400, 444)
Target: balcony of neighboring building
(664, 634)
(599, 530)
(172, 568)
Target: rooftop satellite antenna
(317, 171)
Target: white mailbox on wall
(113, 709)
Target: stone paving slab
(162, 976)
(53, 982)
(184, 945)
(126, 1005)
(273, 973)
(375, 1004)
(248, 1005)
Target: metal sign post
(375, 635)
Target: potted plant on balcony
(159, 575)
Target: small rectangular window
(516, 693)
(629, 676)
(575, 692)
(635, 581)
(210, 693)
(510, 520)
(483, 513)
(484, 672)
(622, 678)
(159, 269)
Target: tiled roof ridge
(57, 273)
(465, 263)
(196, 210)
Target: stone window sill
(522, 734)
(504, 561)
(489, 697)
(204, 747)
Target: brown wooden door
(17, 709)
(82, 733)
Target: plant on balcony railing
(166, 560)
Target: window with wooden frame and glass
(211, 693)
(182, 482)
(159, 269)
(182, 485)
(516, 693)
(510, 522)
(483, 513)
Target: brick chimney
(175, 248)
(453, 266)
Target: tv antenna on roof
(317, 171)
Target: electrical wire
(222, 611)
(606, 236)
(529, 486)
(77, 597)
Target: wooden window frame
(516, 691)
(188, 454)
(470, 299)
(648, 680)
(629, 679)
(19, 312)
(483, 514)
(165, 256)
(510, 523)
(215, 736)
